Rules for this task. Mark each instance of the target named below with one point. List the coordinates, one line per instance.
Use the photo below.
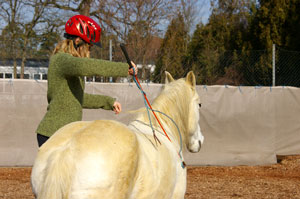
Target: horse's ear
(190, 79)
(169, 77)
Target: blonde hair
(67, 46)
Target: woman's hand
(117, 107)
(130, 71)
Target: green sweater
(66, 96)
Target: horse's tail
(57, 176)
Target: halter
(149, 107)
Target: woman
(69, 64)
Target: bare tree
(39, 7)
(193, 12)
(22, 27)
(136, 22)
(139, 23)
(82, 7)
(190, 11)
(10, 14)
(50, 33)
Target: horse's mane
(174, 100)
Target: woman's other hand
(130, 71)
(117, 107)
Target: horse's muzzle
(199, 145)
(195, 148)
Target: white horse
(109, 160)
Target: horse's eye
(199, 105)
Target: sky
(206, 11)
(203, 13)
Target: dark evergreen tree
(172, 50)
(277, 22)
(211, 50)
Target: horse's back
(107, 156)
(101, 155)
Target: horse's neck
(143, 127)
(167, 116)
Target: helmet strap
(73, 38)
(79, 44)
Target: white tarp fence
(241, 125)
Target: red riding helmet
(85, 28)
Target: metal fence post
(110, 50)
(273, 66)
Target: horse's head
(192, 135)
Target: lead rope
(183, 165)
(148, 106)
